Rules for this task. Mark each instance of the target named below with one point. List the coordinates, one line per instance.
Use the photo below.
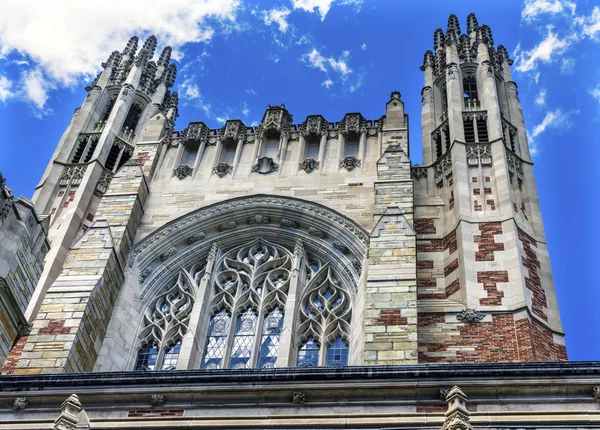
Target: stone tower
(485, 286)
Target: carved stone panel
(308, 165)
(222, 169)
(349, 163)
(265, 165)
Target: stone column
(488, 94)
(454, 95)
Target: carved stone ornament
(196, 238)
(144, 274)
(157, 400)
(289, 223)
(23, 329)
(426, 95)
(349, 163)
(235, 130)
(166, 255)
(357, 266)
(259, 219)
(265, 165)
(353, 123)
(470, 316)
(480, 154)
(308, 165)
(341, 247)
(20, 403)
(596, 392)
(195, 131)
(183, 171)
(418, 172)
(317, 233)
(222, 169)
(452, 71)
(298, 397)
(276, 118)
(226, 226)
(314, 124)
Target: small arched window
(108, 109)
(470, 88)
(132, 118)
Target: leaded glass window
(308, 354)
(171, 356)
(243, 340)
(269, 345)
(217, 336)
(146, 359)
(337, 353)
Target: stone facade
(23, 246)
(313, 244)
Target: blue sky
(328, 57)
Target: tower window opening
(270, 145)
(470, 88)
(147, 356)
(90, 150)
(469, 130)
(132, 118)
(482, 131)
(112, 158)
(108, 110)
(190, 149)
(351, 145)
(437, 139)
(312, 147)
(228, 151)
(79, 150)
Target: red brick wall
(486, 242)
(390, 317)
(13, 357)
(533, 281)
(489, 280)
(425, 225)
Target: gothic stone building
(296, 274)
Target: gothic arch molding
(188, 240)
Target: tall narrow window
(190, 150)
(113, 155)
(217, 338)
(171, 357)
(470, 88)
(312, 146)
(437, 140)
(228, 151)
(351, 145)
(469, 129)
(146, 359)
(241, 352)
(482, 131)
(91, 147)
(132, 118)
(270, 144)
(308, 354)
(337, 353)
(108, 110)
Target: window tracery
(166, 322)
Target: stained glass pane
(215, 345)
(269, 345)
(243, 340)
(146, 359)
(308, 354)
(337, 353)
(171, 356)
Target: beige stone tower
(485, 286)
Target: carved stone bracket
(235, 130)
(230, 225)
(349, 163)
(298, 397)
(341, 247)
(20, 403)
(308, 165)
(289, 223)
(183, 171)
(144, 274)
(353, 123)
(314, 124)
(265, 165)
(196, 238)
(195, 131)
(317, 233)
(157, 400)
(470, 316)
(222, 169)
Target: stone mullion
(198, 159)
(260, 320)
(286, 352)
(322, 149)
(283, 144)
(238, 154)
(301, 152)
(362, 147)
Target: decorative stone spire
(165, 56)
(439, 41)
(484, 35)
(503, 54)
(453, 30)
(457, 415)
(147, 52)
(428, 60)
(131, 47)
(113, 60)
(68, 418)
(170, 75)
(471, 23)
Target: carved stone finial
(157, 400)
(165, 56)
(395, 95)
(68, 418)
(472, 23)
(457, 415)
(20, 403)
(131, 46)
(439, 40)
(298, 397)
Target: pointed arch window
(251, 285)
(166, 322)
(470, 88)
(131, 121)
(108, 109)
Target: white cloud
(318, 61)
(363, 46)
(322, 6)
(551, 46)
(36, 87)
(591, 24)
(277, 16)
(5, 88)
(189, 90)
(65, 53)
(540, 100)
(595, 93)
(557, 119)
(534, 8)
(567, 66)
(327, 83)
